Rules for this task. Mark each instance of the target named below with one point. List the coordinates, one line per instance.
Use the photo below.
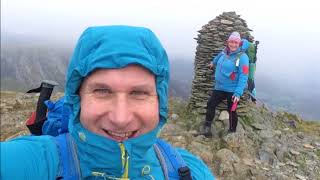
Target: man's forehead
(129, 77)
(130, 69)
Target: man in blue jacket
(117, 89)
(231, 75)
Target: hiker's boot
(231, 131)
(253, 96)
(206, 130)
(254, 100)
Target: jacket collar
(100, 154)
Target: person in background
(252, 54)
(117, 90)
(231, 75)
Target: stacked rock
(211, 40)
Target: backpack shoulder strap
(69, 168)
(237, 61)
(240, 54)
(172, 164)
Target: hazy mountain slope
(26, 61)
(26, 66)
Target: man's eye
(139, 94)
(102, 92)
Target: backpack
(56, 124)
(252, 54)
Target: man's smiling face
(119, 103)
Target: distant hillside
(289, 95)
(25, 63)
(181, 78)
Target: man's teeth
(126, 134)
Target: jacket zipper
(125, 161)
(125, 166)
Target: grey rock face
(224, 115)
(226, 159)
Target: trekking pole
(233, 109)
(252, 95)
(37, 119)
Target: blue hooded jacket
(32, 157)
(231, 74)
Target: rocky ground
(276, 146)
(16, 108)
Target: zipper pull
(237, 62)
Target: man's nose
(121, 113)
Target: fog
(288, 31)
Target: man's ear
(241, 43)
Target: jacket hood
(116, 47)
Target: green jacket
(251, 52)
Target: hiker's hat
(235, 36)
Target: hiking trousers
(217, 97)
(251, 85)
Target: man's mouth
(120, 136)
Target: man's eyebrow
(98, 85)
(146, 87)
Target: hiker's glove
(235, 98)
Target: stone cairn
(211, 40)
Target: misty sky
(289, 31)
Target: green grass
(310, 127)
(8, 94)
(247, 120)
(318, 153)
(291, 116)
(179, 107)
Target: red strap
(233, 76)
(32, 119)
(234, 106)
